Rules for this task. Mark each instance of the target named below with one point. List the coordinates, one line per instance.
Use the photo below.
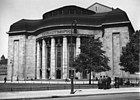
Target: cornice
(78, 25)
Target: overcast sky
(14, 10)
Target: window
(59, 54)
(71, 55)
(48, 57)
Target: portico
(53, 56)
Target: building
(40, 49)
(3, 68)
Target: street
(126, 96)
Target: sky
(12, 11)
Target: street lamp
(73, 25)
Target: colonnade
(47, 62)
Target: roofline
(99, 4)
(68, 25)
(64, 7)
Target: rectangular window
(48, 57)
(15, 70)
(59, 55)
(116, 53)
(71, 55)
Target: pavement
(65, 93)
(53, 82)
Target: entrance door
(58, 74)
(47, 74)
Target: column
(65, 61)
(52, 58)
(38, 60)
(43, 59)
(78, 42)
(78, 46)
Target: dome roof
(65, 15)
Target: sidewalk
(65, 93)
(53, 82)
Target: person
(100, 83)
(5, 79)
(104, 81)
(116, 82)
(128, 82)
(96, 79)
(108, 82)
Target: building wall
(16, 58)
(113, 41)
(30, 57)
(22, 51)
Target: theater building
(40, 49)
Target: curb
(69, 96)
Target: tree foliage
(92, 57)
(130, 54)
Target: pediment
(99, 8)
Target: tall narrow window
(59, 55)
(71, 55)
(48, 57)
(16, 60)
(116, 53)
(58, 58)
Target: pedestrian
(100, 83)
(128, 83)
(104, 81)
(5, 79)
(108, 82)
(109, 78)
(116, 82)
(96, 79)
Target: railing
(36, 87)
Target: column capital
(78, 36)
(51, 37)
(64, 36)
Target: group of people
(104, 82)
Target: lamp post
(71, 47)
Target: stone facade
(28, 56)
(43, 52)
(113, 41)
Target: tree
(92, 57)
(130, 54)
